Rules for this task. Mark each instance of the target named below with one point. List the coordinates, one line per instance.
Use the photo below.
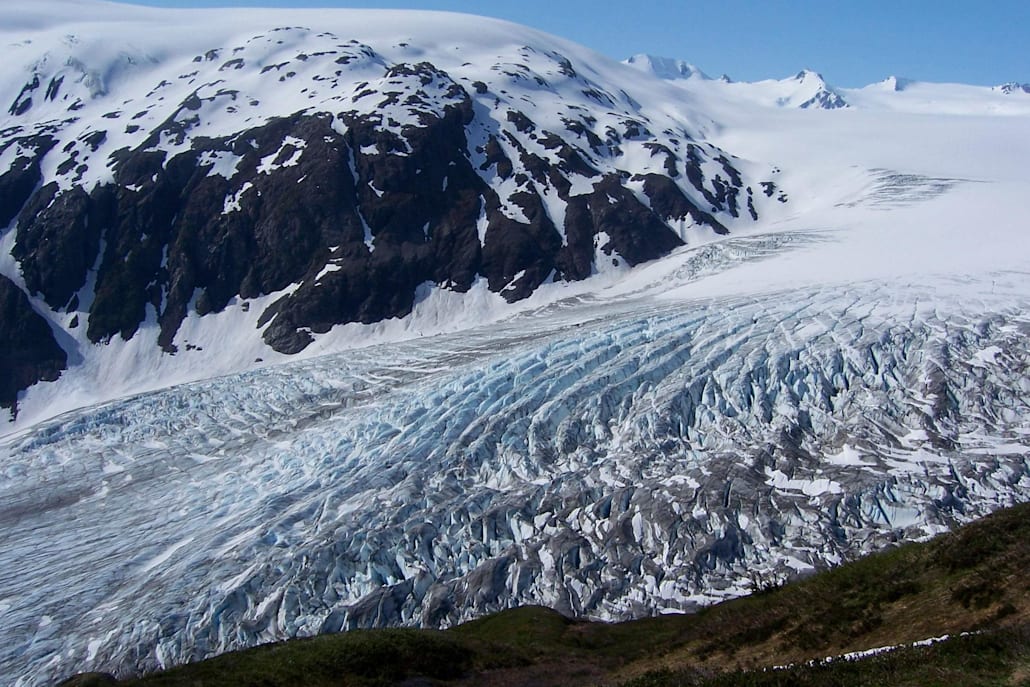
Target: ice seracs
(614, 458)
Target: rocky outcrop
(29, 353)
(21, 178)
(1013, 87)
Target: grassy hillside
(975, 580)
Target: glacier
(607, 457)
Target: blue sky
(851, 42)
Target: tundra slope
(801, 392)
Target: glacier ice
(610, 458)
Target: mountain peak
(812, 92)
(895, 83)
(1013, 87)
(805, 90)
(809, 75)
(666, 67)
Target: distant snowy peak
(809, 90)
(897, 94)
(897, 84)
(1013, 87)
(666, 67)
(805, 90)
(894, 84)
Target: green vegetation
(363, 657)
(975, 580)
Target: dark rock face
(633, 231)
(57, 242)
(19, 181)
(29, 353)
(824, 100)
(669, 203)
(346, 210)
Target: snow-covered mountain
(805, 90)
(485, 410)
(1014, 88)
(809, 90)
(666, 67)
(906, 95)
(292, 178)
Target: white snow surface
(850, 370)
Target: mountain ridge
(804, 90)
(388, 174)
(808, 89)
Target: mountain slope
(331, 175)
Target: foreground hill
(968, 591)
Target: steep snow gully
(607, 459)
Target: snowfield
(848, 372)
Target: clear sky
(851, 42)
